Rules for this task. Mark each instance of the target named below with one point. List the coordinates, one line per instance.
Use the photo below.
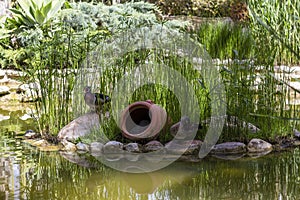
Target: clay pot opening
(140, 116)
(142, 120)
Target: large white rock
(80, 126)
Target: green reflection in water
(16, 117)
(26, 173)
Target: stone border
(112, 150)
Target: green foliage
(10, 58)
(59, 50)
(53, 68)
(32, 12)
(117, 17)
(276, 23)
(247, 68)
(226, 40)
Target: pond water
(26, 173)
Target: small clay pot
(142, 120)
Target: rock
(281, 147)
(258, 145)
(113, 147)
(11, 73)
(229, 148)
(42, 144)
(186, 128)
(133, 147)
(82, 147)
(30, 134)
(10, 83)
(29, 92)
(296, 143)
(39, 143)
(68, 146)
(184, 147)
(153, 146)
(25, 117)
(96, 148)
(4, 90)
(28, 86)
(36, 142)
(3, 117)
(50, 148)
(80, 126)
(297, 133)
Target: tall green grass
(254, 93)
(277, 21)
(106, 81)
(225, 40)
(53, 67)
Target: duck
(95, 100)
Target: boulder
(229, 148)
(184, 147)
(296, 143)
(187, 128)
(82, 147)
(113, 147)
(42, 144)
(29, 92)
(80, 126)
(297, 133)
(12, 84)
(37, 142)
(68, 146)
(30, 134)
(133, 147)
(258, 145)
(4, 117)
(153, 146)
(4, 90)
(96, 148)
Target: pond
(27, 173)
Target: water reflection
(26, 173)
(16, 117)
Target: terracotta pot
(142, 120)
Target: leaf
(34, 5)
(31, 12)
(16, 11)
(56, 6)
(46, 9)
(4, 33)
(25, 5)
(29, 22)
(39, 17)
